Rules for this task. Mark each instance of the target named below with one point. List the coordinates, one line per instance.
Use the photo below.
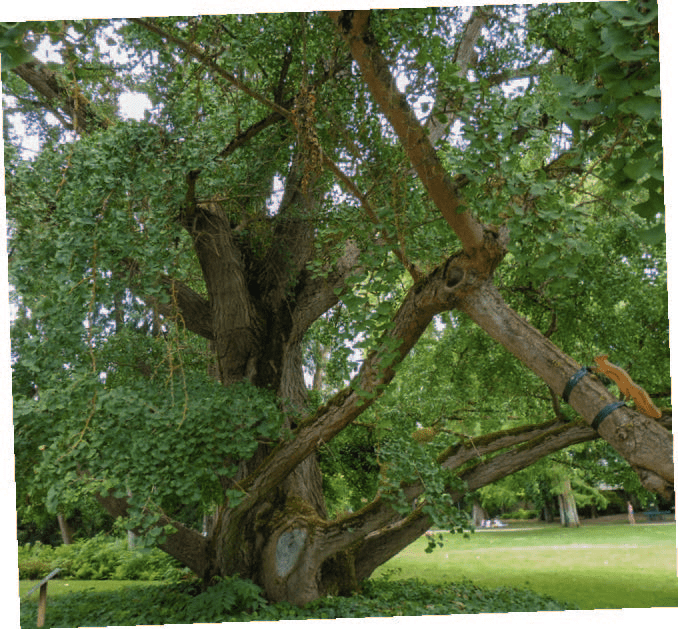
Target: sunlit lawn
(594, 567)
(59, 587)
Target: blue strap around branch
(604, 412)
(571, 383)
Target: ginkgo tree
(310, 191)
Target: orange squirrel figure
(628, 388)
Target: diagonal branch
(279, 111)
(534, 443)
(440, 291)
(199, 53)
(642, 441)
(351, 188)
(465, 57)
(356, 30)
(185, 545)
(192, 309)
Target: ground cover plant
(548, 568)
(593, 567)
(122, 603)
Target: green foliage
(614, 94)
(235, 600)
(97, 558)
(13, 54)
(405, 462)
(520, 514)
(231, 596)
(126, 428)
(570, 161)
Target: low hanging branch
(641, 440)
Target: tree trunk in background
(548, 513)
(479, 514)
(66, 533)
(320, 363)
(568, 508)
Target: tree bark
(256, 312)
(479, 514)
(569, 517)
(642, 441)
(354, 26)
(66, 533)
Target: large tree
(313, 189)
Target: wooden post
(42, 602)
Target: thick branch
(356, 30)
(192, 309)
(440, 291)
(538, 441)
(319, 294)
(642, 441)
(235, 321)
(186, 545)
(58, 97)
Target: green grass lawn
(61, 587)
(595, 567)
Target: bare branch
(466, 58)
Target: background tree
(335, 180)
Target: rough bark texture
(376, 73)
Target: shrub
(99, 557)
(520, 514)
(230, 596)
(34, 568)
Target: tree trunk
(547, 513)
(260, 305)
(479, 514)
(568, 508)
(66, 533)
